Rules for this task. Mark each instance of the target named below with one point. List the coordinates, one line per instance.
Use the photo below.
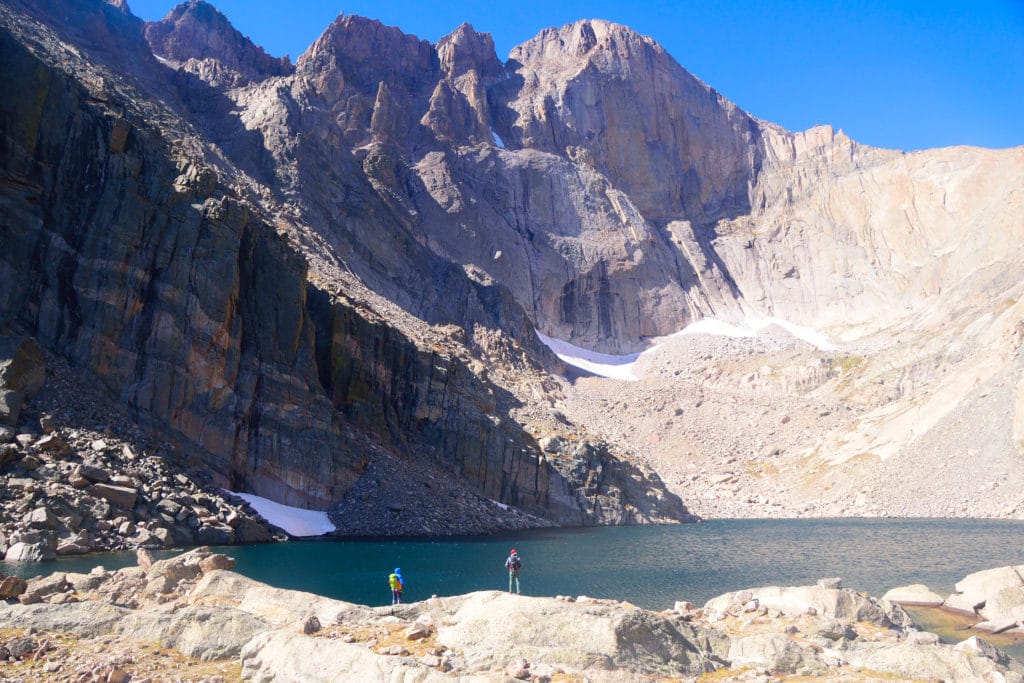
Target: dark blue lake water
(649, 566)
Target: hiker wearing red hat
(513, 564)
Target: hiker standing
(397, 584)
(514, 563)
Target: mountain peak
(196, 30)
(584, 39)
(368, 52)
(464, 49)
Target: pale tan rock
(992, 593)
(916, 594)
(835, 603)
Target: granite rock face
(165, 265)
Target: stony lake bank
(191, 618)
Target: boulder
(771, 651)
(835, 603)
(163, 576)
(8, 453)
(1001, 586)
(121, 496)
(417, 632)
(29, 552)
(248, 531)
(144, 559)
(76, 480)
(215, 535)
(41, 518)
(82, 583)
(518, 669)
(915, 594)
(216, 562)
(835, 629)
(11, 403)
(54, 444)
(996, 626)
(47, 424)
(276, 606)
(311, 625)
(490, 628)
(30, 462)
(981, 648)
(923, 638)
(96, 475)
(76, 544)
(164, 536)
(21, 648)
(12, 586)
(22, 366)
(38, 589)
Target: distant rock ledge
(192, 617)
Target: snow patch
(622, 367)
(295, 521)
(753, 326)
(601, 364)
(497, 140)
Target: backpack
(516, 564)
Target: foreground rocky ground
(189, 618)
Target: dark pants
(396, 596)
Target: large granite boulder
(23, 551)
(584, 636)
(915, 594)
(836, 603)
(994, 594)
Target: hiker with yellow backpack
(397, 584)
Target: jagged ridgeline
(326, 277)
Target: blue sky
(904, 75)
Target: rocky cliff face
(143, 245)
(307, 271)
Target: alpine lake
(649, 566)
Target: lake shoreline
(226, 627)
